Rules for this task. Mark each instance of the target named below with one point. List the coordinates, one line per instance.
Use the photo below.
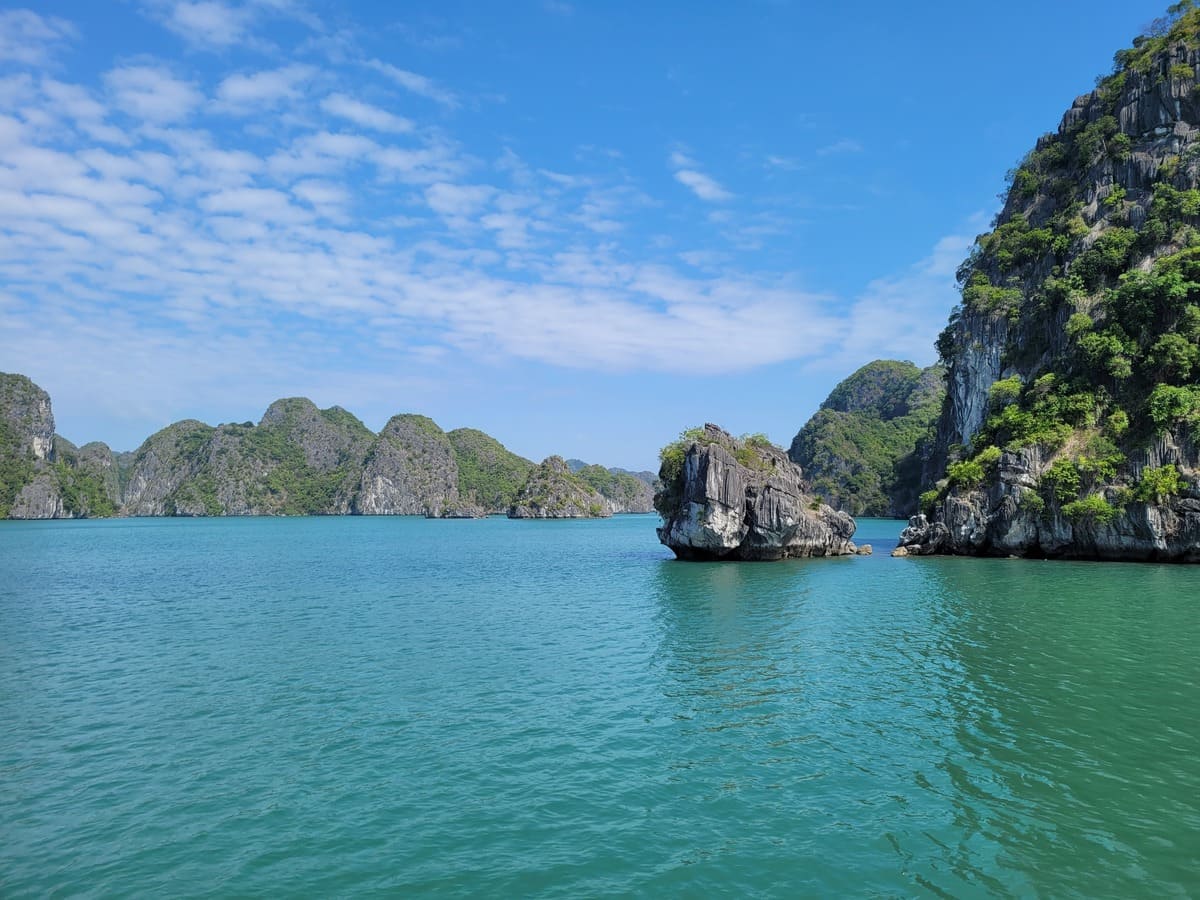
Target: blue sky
(581, 227)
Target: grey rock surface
(735, 501)
(410, 470)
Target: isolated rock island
(727, 498)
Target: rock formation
(298, 460)
(43, 476)
(865, 449)
(624, 491)
(552, 491)
(725, 498)
(1072, 419)
(410, 470)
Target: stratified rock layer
(735, 500)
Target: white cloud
(900, 316)
(364, 114)
(458, 201)
(218, 25)
(416, 84)
(687, 173)
(845, 145)
(207, 22)
(327, 197)
(782, 163)
(31, 39)
(263, 90)
(152, 93)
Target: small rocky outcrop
(731, 499)
(552, 491)
(467, 511)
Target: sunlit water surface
(322, 707)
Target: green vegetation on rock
(863, 450)
(1075, 353)
(553, 491)
(622, 490)
(488, 473)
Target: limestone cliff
(297, 460)
(410, 470)
(42, 475)
(725, 498)
(864, 450)
(552, 491)
(1071, 422)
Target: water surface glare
(338, 706)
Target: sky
(581, 227)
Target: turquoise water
(322, 707)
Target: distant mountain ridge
(297, 460)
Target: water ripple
(348, 706)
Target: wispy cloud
(845, 145)
(218, 25)
(207, 22)
(152, 93)
(900, 316)
(260, 91)
(346, 107)
(782, 163)
(417, 84)
(31, 39)
(687, 173)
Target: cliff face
(725, 498)
(865, 449)
(410, 470)
(43, 476)
(552, 491)
(1073, 409)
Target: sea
(338, 707)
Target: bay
(348, 706)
